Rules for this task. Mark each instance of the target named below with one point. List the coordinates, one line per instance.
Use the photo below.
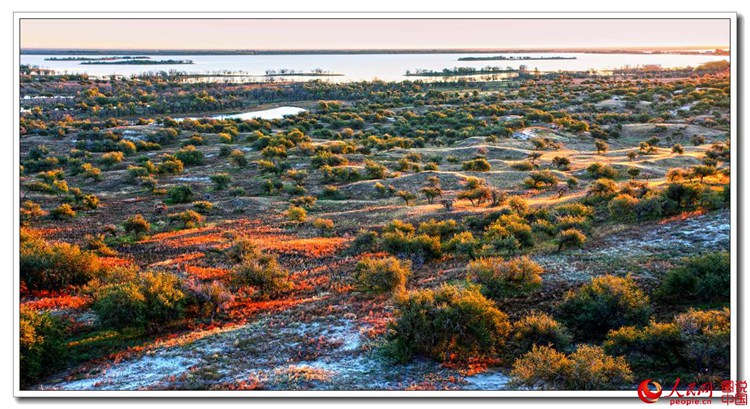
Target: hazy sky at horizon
(371, 33)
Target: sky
(280, 34)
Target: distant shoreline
(138, 62)
(513, 58)
(47, 51)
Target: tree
(561, 162)
(600, 146)
(678, 149)
(432, 189)
(703, 171)
(633, 172)
(407, 196)
(632, 155)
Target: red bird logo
(646, 394)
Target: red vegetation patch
(62, 301)
(206, 273)
(681, 216)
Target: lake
(359, 67)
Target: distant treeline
(139, 62)
(458, 71)
(514, 58)
(47, 51)
(124, 57)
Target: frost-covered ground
(324, 354)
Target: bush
(137, 225)
(538, 329)
(442, 229)
(111, 158)
(447, 324)
(384, 275)
(221, 181)
(502, 278)
(64, 211)
(323, 225)
(238, 158)
(181, 194)
(56, 266)
(366, 240)
(476, 165)
(189, 155)
(30, 211)
(203, 206)
(588, 368)
(189, 218)
(598, 170)
(623, 207)
(419, 246)
(606, 303)
(42, 345)
(151, 300)
(264, 273)
(120, 305)
(540, 179)
(463, 245)
(647, 349)
(695, 345)
(570, 238)
(296, 214)
(704, 279)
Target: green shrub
(704, 278)
(151, 300)
(56, 266)
(264, 273)
(203, 206)
(476, 165)
(221, 180)
(588, 368)
(570, 238)
(137, 225)
(623, 207)
(540, 179)
(606, 303)
(190, 219)
(539, 329)
(419, 246)
(181, 194)
(120, 305)
(366, 240)
(382, 275)
(447, 324)
(42, 345)
(62, 212)
(502, 278)
(695, 345)
(189, 155)
(442, 229)
(463, 245)
(598, 170)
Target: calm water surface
(387, 67)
